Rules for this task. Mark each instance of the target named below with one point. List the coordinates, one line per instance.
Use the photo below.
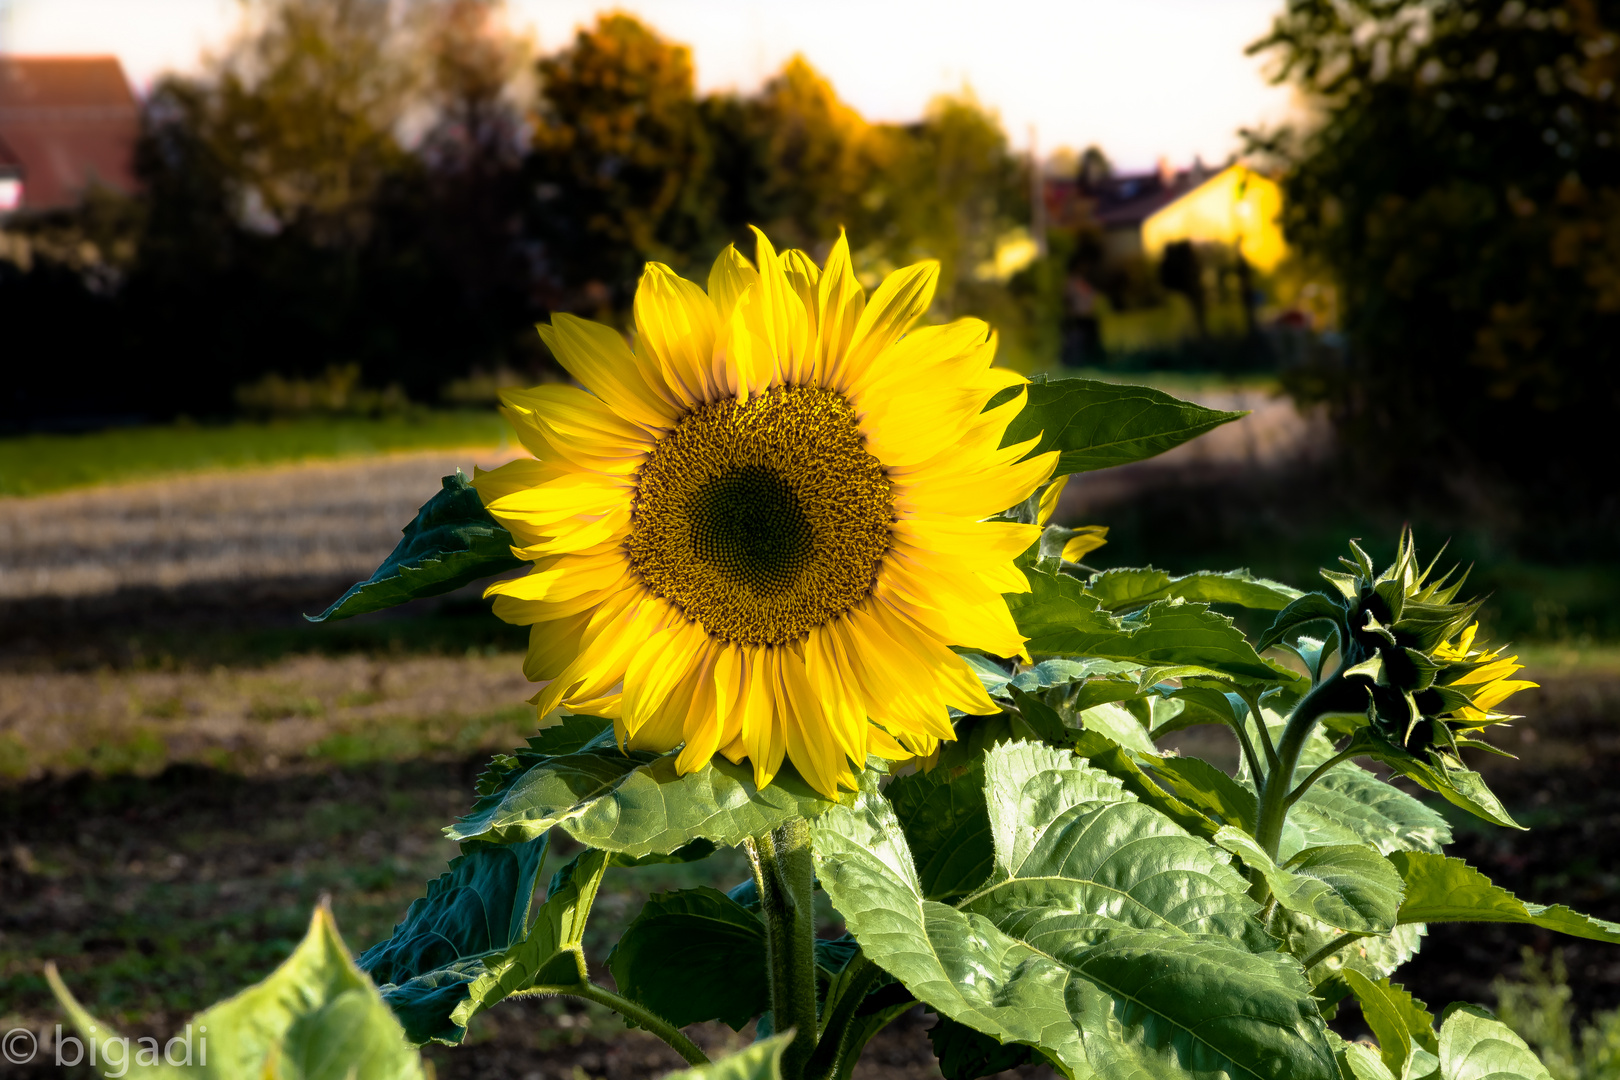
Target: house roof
(1131, 198)
(70, 121)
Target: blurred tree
(619, 161)
(1460, 178)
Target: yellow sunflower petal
(840, 301)
(761, 732)
(1050, 498)
(553, 645)
(598, 357)
(902, 297)
(783, 322)
(728, 279)
(811, 744)
(676, 323)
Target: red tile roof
(70, 121)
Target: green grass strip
(34, 464)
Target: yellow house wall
(1235, 206)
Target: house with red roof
(66, 123)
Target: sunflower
(1472, 682)
(760, 532)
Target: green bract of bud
(1409, 646)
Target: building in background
(66, 123)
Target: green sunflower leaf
(1120, 589)
(1474, 1045)
(1312, 607)
(1096, 425)
(947, 827)
(1442, 889)
(635, 804)
(316, 1017)
(966, 1054)
(1349, 805)
(1348, 886)
(550, 954)
(1106, 937)
(1458, 786)
(1398, 1021)
(1062, 619)
(479, 908)
(762, 1061)
(694, 955)
(1200, 784)
(451, 542)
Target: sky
(1143, 79)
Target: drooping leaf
(947, 827)
(1103, 753)
(1061, 619)
(1443, 889)
(1398, 1021)
(1107, 937)
(1122, 589)
(1097, 425)
(1349, 886)
(315, 1017)
(1313, 607)
(636, 803)
(1361, 1062)
(480, 907)
(966, 1054)
(452, 541)
(1474, 1045)
(1200, 784)
(1375, 956)
(1458, 786)
(694, 955)
(761, 1061)
(550, 954)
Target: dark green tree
(1459, 179)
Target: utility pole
(1037, 197)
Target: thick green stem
(630, 1011)
(1275, 787)
(840, 1027)
(787, 883)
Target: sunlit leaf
(1097, 425)
(1474, 1045)
(1349, 886)
(1443, 889)
(1121, 589)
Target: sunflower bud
(1410, 647)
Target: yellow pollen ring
(762, 519)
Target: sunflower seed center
(762, 519)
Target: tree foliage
(1460, 180)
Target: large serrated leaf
(636, 803)
(477, 909)
(1200, 784)
(315, 1017)
(1349, 805)
(1348, 886)
(1443, 889)
(1061, 619)
(947, 827)
(451, 542)
(1460, 787)
(1124, 588)
(1107, 937)
(694, 955)
(1474, 1045)
(1097, 425)
(550, 954)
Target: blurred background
(265, 264)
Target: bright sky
(1142, 79)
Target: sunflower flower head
(1411, 643)
(759, 531)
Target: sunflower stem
(787, 883)
(631, 1011)
(1274, 789)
